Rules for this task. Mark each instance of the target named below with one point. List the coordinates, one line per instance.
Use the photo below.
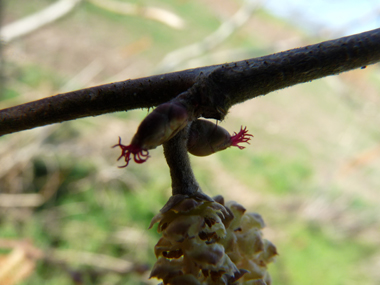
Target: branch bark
(183, 179)
(231, 83)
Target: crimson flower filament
(241, 137)
(139, 155)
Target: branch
(236, 82)
(37, 20)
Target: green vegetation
(319, 258)
(270, 172)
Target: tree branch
(231, 83)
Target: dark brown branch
(234, 83)
(119, 96)
(227, 84)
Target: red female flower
(206, 138)
(139, 155)
(241, 137)
(158, 127)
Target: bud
(206, 138)
(158, 127)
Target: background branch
(164, 16)
(37, 20)
(239, 81)
(175, 58)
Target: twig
(237, 82)
(153, 13)
(359, 160)
(37, 20)
(183, 179)
(84, 76)
(101, 261)
(21, 200)
(174, 59)
(24, 250)
(16, 266)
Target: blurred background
(68, 215)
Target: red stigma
(139, 155)
(241, 137)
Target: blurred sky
(341, 17)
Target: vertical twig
(183, 179)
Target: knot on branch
(212, 100)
